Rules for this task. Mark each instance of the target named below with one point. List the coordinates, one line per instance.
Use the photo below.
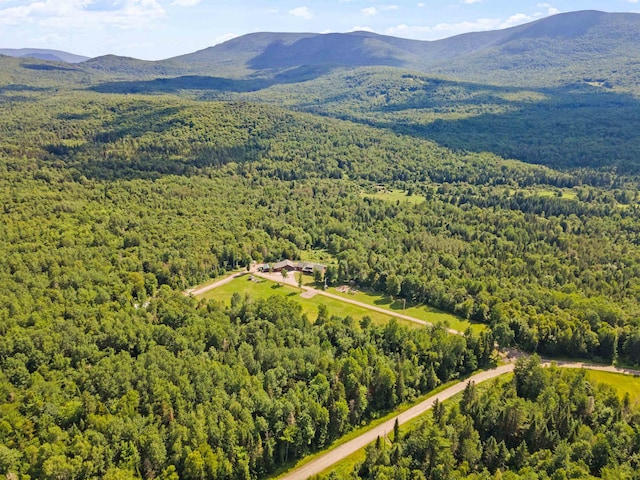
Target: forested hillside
(573, 47)
(568, 127)
(122, 185)
(542, 424)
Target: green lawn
(421, 312)
(395, 196)
(567, 195)
(622, 383)
(545, 193)
(265, 289)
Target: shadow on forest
(189, 82)
(574, 126)
(21, 88)
(266, 79)
(328, 49)
(95, 158)
(47, 67)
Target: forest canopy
(113, 205)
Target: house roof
(283, 264)
(306, 266)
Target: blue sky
(155, 29)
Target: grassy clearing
(318, 256)
(421, 312)
(396, 196)
(262, 289)
(545, 193)
(623, 384)
(565, 195)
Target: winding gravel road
(320, 464)
(199, 291)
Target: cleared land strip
(332, 457)
(275, 277)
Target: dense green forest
(113, 204)
(544, 423)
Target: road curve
(320, 464)
(316, 466)
(199, 291)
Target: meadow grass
(419, 311)
(396, 196)
(621, 383)
(262, 289)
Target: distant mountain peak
(564, 47)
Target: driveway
(291, 280)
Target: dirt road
(321, 463)
(340, 453)
(199, 291)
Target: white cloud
(443, 30)
(303, 12)
(185, 3)
(517, 19)
(551, 10)
(633, 1)
(471, 2)
(369, 11)
(361, 29)
(78, 14)
(373, 11)
(421, 5)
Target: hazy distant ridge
(43, 54)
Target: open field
(395, 196)
(564, 194)
(621, 383)
(421, 312)
(264, 289)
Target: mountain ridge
(574, 47)
(566, 46)
(43, 54)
